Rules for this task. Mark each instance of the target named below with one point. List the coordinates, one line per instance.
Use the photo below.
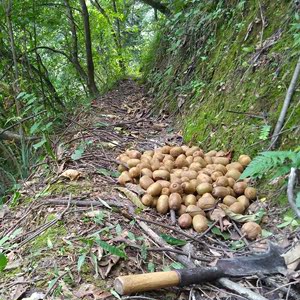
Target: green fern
(264, 132)
(277, 162)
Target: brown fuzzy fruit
(239, 187)
(181, 161)
(194, 210)
(133, 162)
(134, 172)
(162, 205)
(198, 153)
(221, 168)
(206, 201)
(169, 165)
(176, 151)
(191, 150)
(154, 189)
(175, 188)
(231, 181)
(235, 165)
(200, 223)
(149, 153)
(147, 172)
(185, 221)
(233, 173)
(161, 175)
(204, 187)
(145, 182)
(181, 210)
(190, 199)
(124, 178)
(195, 166)
(147, 200)
(175, 201)
(215, 175)
(220, 160)
(191, 174)
(237, 207)
(220, 192)
(244, 160)
(251, 230)
(204, 178)
(188, 188)
(201, 161)
(164, 183)
(211, 153)
(155, 164)
(222, 181)
(228, 200)
(250, 193)
(165, 149)
(244, 200)
(133, 154)
(165, 191)
(121, 168)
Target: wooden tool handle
(129, 284)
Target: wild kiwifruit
(134, 172)
(233, 173)
(208, 159)
(181, 161)
(185, 221)
(191, 150)
(165, 191)
(237, 207)
(194, 183)
(244, 200)
(168, 157)
(169, 164)
(147, 200)
(244, 160)
(154, 189)
(198, 153)
(231, 181)
(146, 159)
(133, 154)
(176, 188)
(195, 166)
(215, 175)
(220, 192)
(250, 193)
(189, 160)
(133, 162)
(200, 223)
(162, 205)
(164, 183)
(155, 164)
(188, 187)
(239, 187)
(194, 210)
(154, 202)
(161, 175)
(222, 181)
(149, 153)
(211, 153)
(175, 179)
(175, 201)
(145, 182)
(123, 158)
(121, 168)
(206, 201)
(220, 160)
(228, 200)
(202, 178)
(190, 199)
(201, 161)
(231, 191)
(220, 153)
(221, 168)
(210, 167)
(176, 151)
(251, 230)
(166, 149)
(181, 210)
(185, 179)
(191, 174)
(144, 165)
(147, 172)
(204, 187)
(159, 156)
(124, 178)
(235, 165)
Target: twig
(284, 285)
(290, 192)
(80, 203)
(262, 25)
(286, 104)
(247, 114)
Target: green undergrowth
(215, 61)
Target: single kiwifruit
(168, 157)
(133, 162)
(221, 168)
(204, 187)
(154, 189)
(185, 179)
(190, 199)
(147, 172)
(175, 201)
(169, 164)
(222, 181)
(189, 160)
(176, 151)
(251, 230)
(237, 207)
(175, 179)
(207, 171)
(164, 183)
(220, 192)
(133, 154)
(185, 148)
(244, 160)
(194, 183)
(207, 201)
(159, 156)
(231, 191)
(235, 165)
(155, 164)
(195, 166)
(194, 210)
(134, 172)
(250, 193)
(147, 200)
(123, 158)
(144, 165)
(228, 200)
(181, 161)
(166, 149)
(176, 188)
(121, 168)
(216, 174)
(149, 153)
(161, 175)
(181, 210)
(208, 159)
(211, 153)
(239, 187)
(191, 151)
(124, 178)
(191, 174)
(200, 223)
(165, 191)
(244, 200)
(162, 205)
(154, 202)
(233, 173)
(202, 178)
(185, 221)
(231, 181)
(201, 161)
(188, 188)
(198, 153)
(145, 182)
(220, 160)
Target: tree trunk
(93, 90)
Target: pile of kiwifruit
(188, 181)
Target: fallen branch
(290, 191)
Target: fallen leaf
(71, 174)
(292, 257)
(132, 197)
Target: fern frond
(264, 132)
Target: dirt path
(68, 236)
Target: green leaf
(80, 261)
(172, 241)
(106, 172)
(298, 200)
(78, 153)
(264, 132)
(115, 294)
(119, 229)
(236, 245)
(176, 265)
(144, 252)
(151, 267)
(3, 261)
(265, 233)
(39, 144)
(217, 231)
(131, 236)
(111, 249)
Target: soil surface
(72, 230)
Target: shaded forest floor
(57, 222)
